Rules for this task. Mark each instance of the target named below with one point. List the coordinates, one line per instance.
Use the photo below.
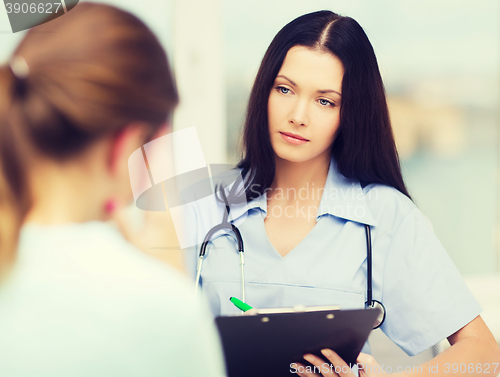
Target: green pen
(240, 304)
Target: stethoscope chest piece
(381, 316)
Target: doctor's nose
(299, 116)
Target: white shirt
(425, 297)
(81, 301)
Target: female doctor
(320, 164)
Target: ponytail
(14, 193)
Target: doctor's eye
(325, 102)
(283, 90)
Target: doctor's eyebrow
(286, 78)
(329, 91)
(319, 91)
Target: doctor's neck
(291, 174)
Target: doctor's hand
(368, 366)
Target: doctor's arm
(473, 349)
(473, 344)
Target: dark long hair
(92, 72)
(364, 147)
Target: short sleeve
(425, 297)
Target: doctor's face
(304, 105)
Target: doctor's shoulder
(390, 207)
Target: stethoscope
(227, 225)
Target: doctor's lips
(293, 138)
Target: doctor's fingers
(309, 371)
(369, 367)
(337, 366)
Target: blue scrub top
(425, 297)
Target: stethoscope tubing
(369, 263)
(203, 249)
(224, 225)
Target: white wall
(199, 68)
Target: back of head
(73, 80)
(364, 147)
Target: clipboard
(268, 342)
